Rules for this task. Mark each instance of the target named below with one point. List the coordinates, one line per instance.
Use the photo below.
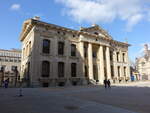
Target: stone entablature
(97, 56)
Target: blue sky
(123, 19)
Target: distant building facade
(53, 55)
(143, 64)
(10, 61)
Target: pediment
(96, 30)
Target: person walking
(108, 83)
(6, 83)
(105, 83)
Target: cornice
(29, 24)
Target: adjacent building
(56, 56)
(10, 61)
(143, 64)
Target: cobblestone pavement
(79, 99)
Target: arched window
(45, 69)
(46, 46)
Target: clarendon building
(143, 64)
(56, 56)
(10, 61)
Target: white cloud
(131, 11)
(133, 21)
(15, 7)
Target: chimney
(36, 18)
(94, 25)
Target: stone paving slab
(39, 100)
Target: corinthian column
(101, 65)
(108, 63)
(90, 61)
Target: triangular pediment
(96, 30)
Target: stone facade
(10, 61)
(143, 64)
(73, 57)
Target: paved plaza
(130, 98)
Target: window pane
(60, 48)
(60, 69)
(45, 69)
(73, 69)
(73, 50)
(46, 46)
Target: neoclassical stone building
(143, 64)
(53, 55)
(10, 61)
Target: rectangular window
(86, 71)
(118, 71)
(60, 69)
(123, 55)
(60, 48)
(13, 68)
(11, 60)
(117, 56)
(94, 54)
(111, 56)
(6, 60)
(73, 50)
(73, 69)
(85, 51)
(112, 71)
(124, 71)
(46, 46)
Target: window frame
(73, 50)
(46, 48)
(45, 72)
(61, 45)
(73, 69)
(61, 69)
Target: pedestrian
(6, 83)
(108, 83)
(105, 83)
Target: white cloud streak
(15, 7)
(93, 11)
